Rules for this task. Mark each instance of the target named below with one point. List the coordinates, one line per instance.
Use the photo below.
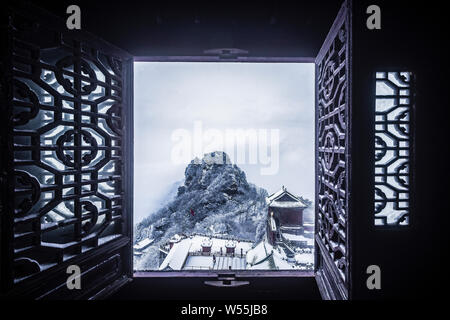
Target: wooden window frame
(218, 57)
(330, 286)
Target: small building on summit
(285, 215)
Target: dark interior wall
(409, 258)
(146, 28)
(170, 288)
(411, 37)
(272, 28)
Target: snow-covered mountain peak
(215, 198)
(215, 173)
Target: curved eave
(287, 205)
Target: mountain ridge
(216, 198)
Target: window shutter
(333, 163)
(66, 159)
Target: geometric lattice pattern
(332, 150)
(65, 120)
(392, 147)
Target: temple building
(285, 216)
(204, 252)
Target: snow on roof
(206, 242)
(207, 263)
(177, 255)
(143, 244)
(294, 237)
(163, 250)
(198, 263)
(225, 262)
(176, 238)
(265, 265)
(259, 253)
(218, 243)
(287, 204)
(296, 202)
(281, 262)
(304, 258)
(275, 195)
(230, 244)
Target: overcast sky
(170, 96)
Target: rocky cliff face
(214, 199)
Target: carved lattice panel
(393, 101)
(65, 146)
(332, 144)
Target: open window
(333, 161)
(67, 151)
(66, 154)
(224, 166)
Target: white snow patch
(259, 253)
(304, 258)
(177, 256)
(294, 237)
(143, 244)
(198, 263)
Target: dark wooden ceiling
(190, 27)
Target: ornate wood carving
(332, 156)
(393, 147)
(65, 146)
